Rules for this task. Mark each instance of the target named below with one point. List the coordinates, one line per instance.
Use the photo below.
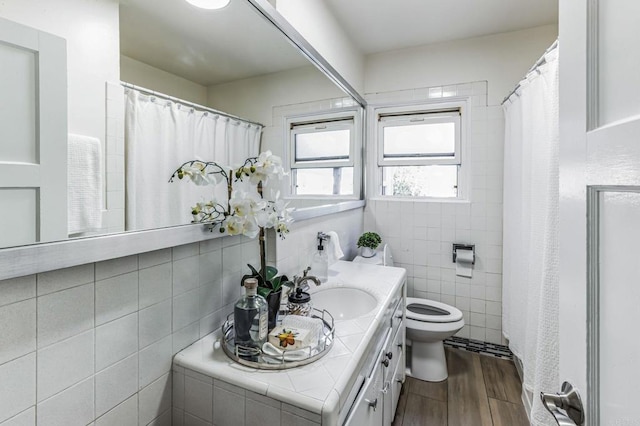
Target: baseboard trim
(477, 346)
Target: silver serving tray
(255, 358)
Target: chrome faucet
(301, 282)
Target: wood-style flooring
(480, 391)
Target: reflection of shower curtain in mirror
(160, 135)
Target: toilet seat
(425, 310)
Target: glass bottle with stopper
(251, 317)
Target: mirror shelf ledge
(26, 260)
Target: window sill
(420, 199)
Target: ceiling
(381, 25)
(216, 46)
(205, 46)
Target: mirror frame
(41, 257)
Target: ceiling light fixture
(209, 4)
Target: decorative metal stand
(256, 358)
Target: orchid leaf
(271, 273)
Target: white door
(600, 206)
(33, 136)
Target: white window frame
(403, 112)
(319, 121)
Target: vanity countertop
(322, 386)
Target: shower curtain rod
(535, 66)
(187, 103)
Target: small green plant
(370, 240)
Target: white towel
(84, 175)
(334, 250)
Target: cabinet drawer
(397, 317)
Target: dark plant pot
(273, 302)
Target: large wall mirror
(173, 54)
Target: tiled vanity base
(200, 400)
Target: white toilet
(428, 323)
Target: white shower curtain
(530, 246)
(160, 135)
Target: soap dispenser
(320, 260)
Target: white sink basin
(344, 302)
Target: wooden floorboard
(421, 411)
(433, 390)
(507, 413)
(480, 391)
(468, 403)
(501, 379)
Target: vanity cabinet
(378, 397)
(357, 383)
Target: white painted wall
(421, 233)
(501, 59)
(316, 23)
(138, 73)
(254, 98)
(93, 51)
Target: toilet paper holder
(471, 247)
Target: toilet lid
(431, 311)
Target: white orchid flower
(246, 203)
(198, 175)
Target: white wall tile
(190, 420)
(289, 419)
(153, 258)
(154, 399)
(65, 313)
(178, 380)
(210, 297)
(115, 384)
(163, 419)
(210, 265)
(72, 407)
(64, 364)
(155, 360)
(185, 275)
(185, 336)
(61, 279)
(155, 284)
(228, 408)
(26, 418)
(186, 250)
(154, 323)
(259, 413)
(116, 340)
(186, 308)
(18, 390)
(116, 297)
(198, 398)
(17, 289)
(17, 329)
(114, 267)
(125, 414)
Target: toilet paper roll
(464, 263)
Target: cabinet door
(368, 408)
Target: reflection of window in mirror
(322, 155)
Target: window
(322, 156)
(419, 153)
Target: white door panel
(33, 135)
(618, 313)
(600, 206)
